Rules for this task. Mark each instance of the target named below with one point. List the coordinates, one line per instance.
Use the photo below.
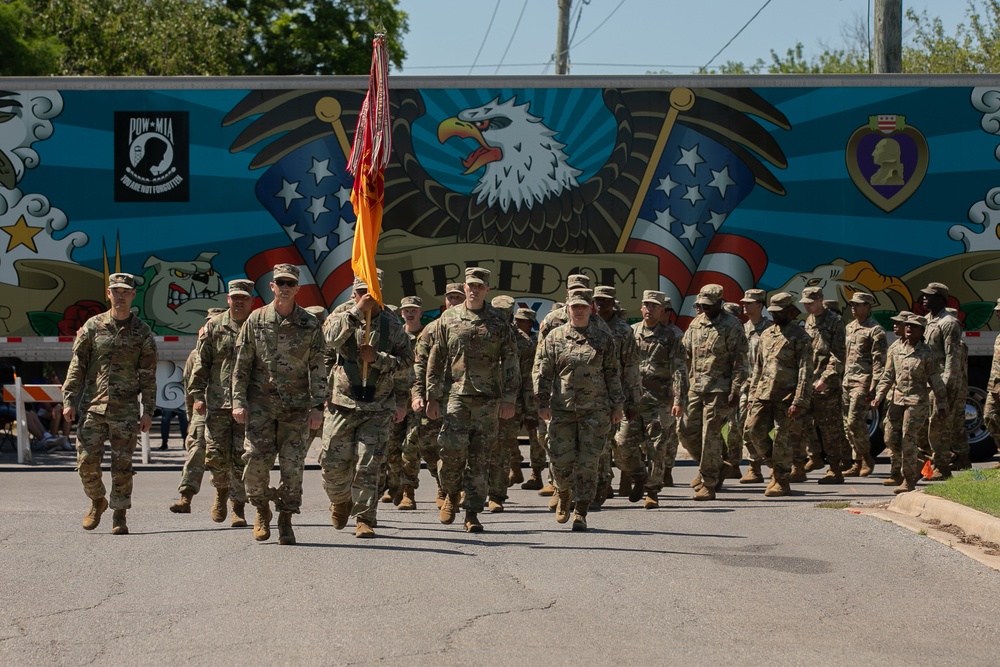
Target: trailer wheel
(873, 420)
(981, 445)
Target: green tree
(324, 37)
(25, 49)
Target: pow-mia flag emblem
(151, 156)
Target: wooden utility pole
(562, 38)
(888, 37)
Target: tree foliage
(25, 49)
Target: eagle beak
(453, 127)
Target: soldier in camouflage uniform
(659, 355)
(279, 387)
(669, 436)
(734, 439)
(754, 306)
(498, 454)
(909, 370)
(194, 444)
(991, 411)
(422, 436)
(473, 368)
(113, 363)
(715, 351)
(780, 391)
(604, 304)
(527, 344)
(863, 366)
(943, 336)
(368, 390)
(212, 387)
(577, 384)
(829, 346)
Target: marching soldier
(866, 348)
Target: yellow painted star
(21, 233)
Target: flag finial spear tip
(380, 28)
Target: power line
(511, 41)
(579, 13)
(719, 52)
(488, 28)
(600, 25)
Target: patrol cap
(862, 299)
(411, 302)
(951, 311)
(940, 289)
(901, 316)
(241, 287)
(476, 275)
(285, 271)
(212, 312)
(997, 307)
(811, 295)
(316, 311)
(360, 284)
(918, 320)
(653, 296)
(126, 280)
(525, 314)
(780, 301)
(454, 288)
(605, 292)
(504, 303)
(668, 303)
(580, 297)
(832, 304)
(734, 309)
(578, 280)
(709, 295)
(754, 296)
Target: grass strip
(976, 488)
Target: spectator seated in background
(40, 438)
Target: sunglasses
(281, 282)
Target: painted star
(293, 233)
(344, 195)
(344, 230)
(664, 219)
(666, 185)
(317, 208)
(289, 192)
(721, 181)
(21, 233)
(318, 246)
(690, 158)
(716, 219)
(691, 234)
(320, 169)
(693, 194)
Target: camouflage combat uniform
(525, 410)
(278, 378)
(422, 432)
(470, 370)
(827, 333)
(753, 333)
(398, 430)
(112, 364)
(194, 445)
(628, 363)
(578, 375)
(991, 411)
(947, 434)
(358, 412)
(660, 360)
(212, 383)
(866, 349)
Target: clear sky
(449, 37)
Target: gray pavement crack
(450, 638)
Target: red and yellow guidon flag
(368, 160)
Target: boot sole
(473, 528)
(579, 527)
(238, 523)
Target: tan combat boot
(562, 506)
(668, 477)
(652, 501)
(534, 482)
(753, 475)
(734, 471)
(895, 478)
(941, 472)
(495, 505)
(285, 533)
(554, 502)
(339, 512)
(548, 490)
(238, 520)
(798, 474)
(516, 476)
(93, 518)
(472, 524)
(815, 462)
(262, 524)
(704, 492)
(909, 484)
(219, 506)
(409, 502)
(183, 506)
(363, 529)
(854, 470)
(833, 475)
(386, 497)
(580, 516)
(439, 499)
(781, 486)
(696, 482)
(867, 465)
(448, 508)
(118, 525)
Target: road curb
(923, 506)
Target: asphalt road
(743, 580)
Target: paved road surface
(739, 581)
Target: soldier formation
(384, 393)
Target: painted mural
(874, 189)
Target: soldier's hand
(315, 418)
(199, 407)
(417, 405)
(69, 413)
(399, 415)
(506, 410)
(677, 411)
(794, 411)
(545, 414)
(617, 416)
(432, 410)
(240, 415)
(145, 422)
(819, 385)
(631, 412)
(366, 304)
(874, 404)
(367, 353)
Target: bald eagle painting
(567, 171)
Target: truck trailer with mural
(873, 183)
